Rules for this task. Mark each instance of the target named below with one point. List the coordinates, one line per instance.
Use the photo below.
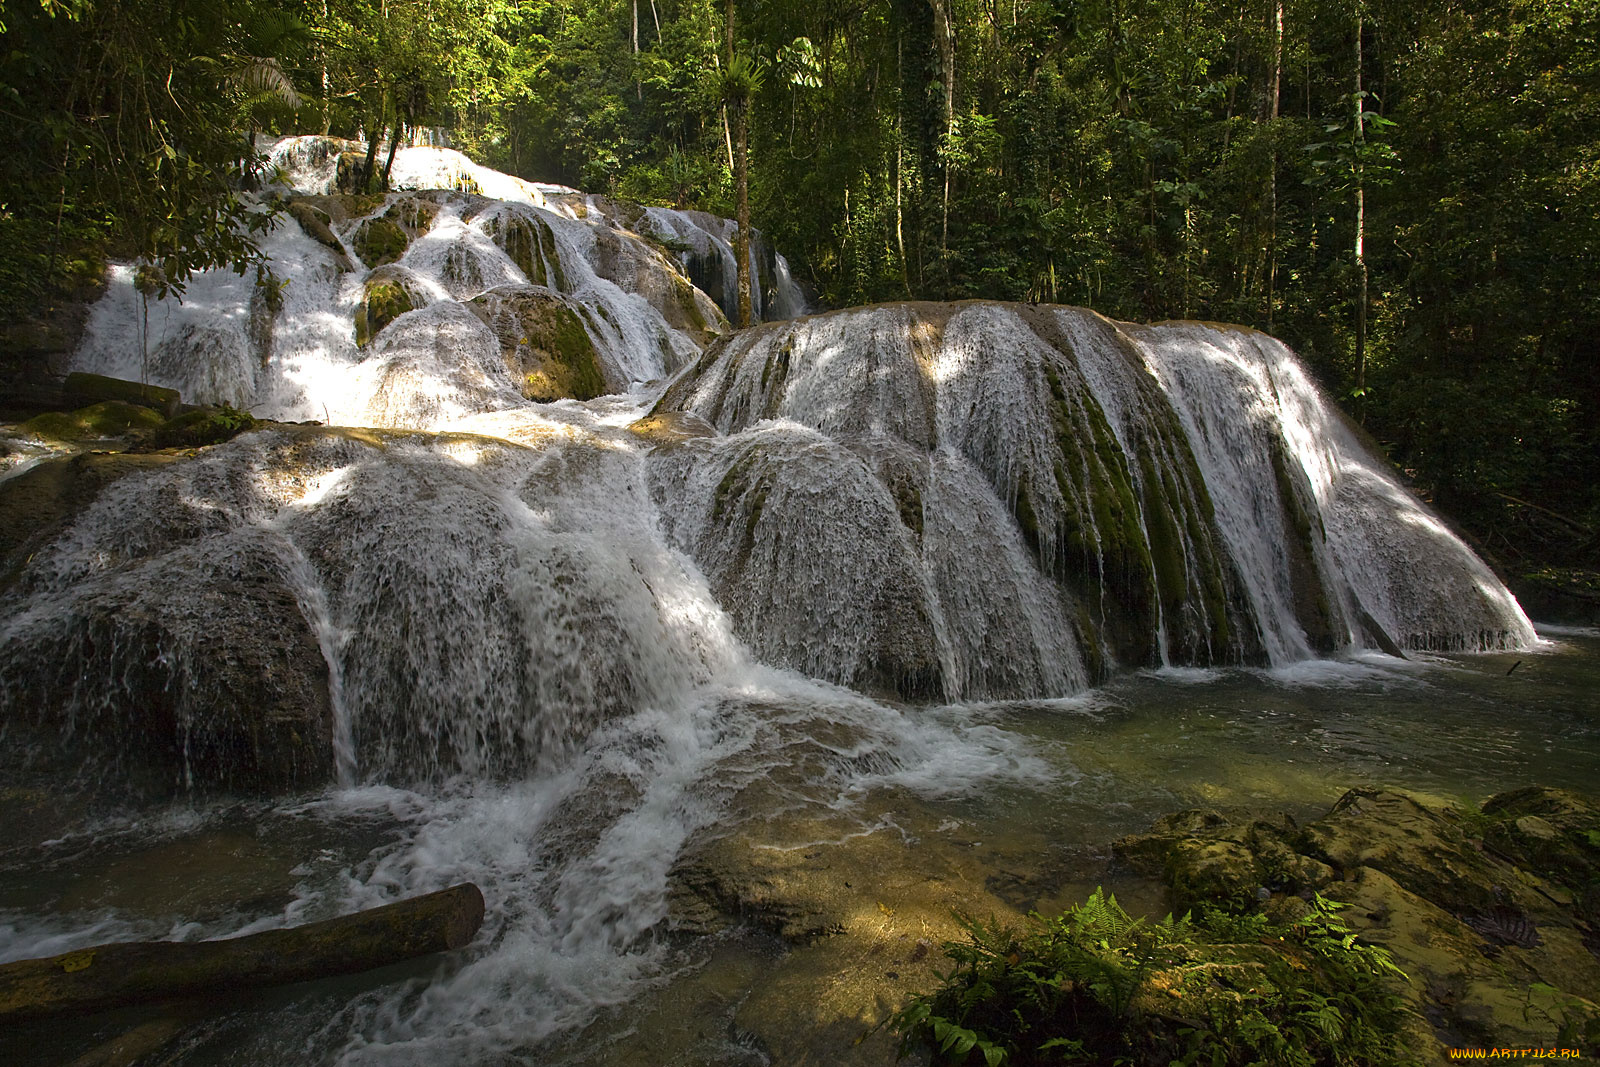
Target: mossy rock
(202, 427)
(413, 214)
(1495, 952)
(383, 299)
(671, 428)
(532, 247)
(1206, 858)
(1553, 831)
(317, 224)
(546, 347)
(107, 419)
(95, 387)
(379, 241)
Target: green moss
(413, 214)
(379, 241)
(570, 366)
(382, 302)
(109, 418)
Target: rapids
(543, 578)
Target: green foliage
(1097, 986)
(1173, 158)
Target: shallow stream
(895, 814)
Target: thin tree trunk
(327, 102)
(1272, 176)
(944, 31)
(741, 243)
(394, 142)
(1361, 232)
(368, 169)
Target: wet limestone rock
(109, 419)
(640, 268)
(670, 428)
(379, 241)
(413, 214)
(531, 245)
(83, 387)
(1206, 857)
(385, 295)
(223, 689)
(546, 348)
(1429, 854)
(38, 503)
(316, 223)
(1486, 912)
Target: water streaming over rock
(550, 638)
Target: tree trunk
(1361, 233)
(110, 976)
(741, 177)
(368, 169)
(394, 142)
(1272, 176)
(945, 36)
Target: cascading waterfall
(550, 621)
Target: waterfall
(542, 567)
(928, 502)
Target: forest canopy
(1407, 193)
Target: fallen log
(111, 976)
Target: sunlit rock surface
(313, 334)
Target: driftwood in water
(110, 976)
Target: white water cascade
(547, 617)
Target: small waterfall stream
(565, 574)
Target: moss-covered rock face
(85, 387)
(546, 347)
(531, 244)
(385, 296)
(202, 427)
(105, 420)
(639, 267)
(413, 214)
(1490, 914)
(379, 241)
(316, 223)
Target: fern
(1077, 989)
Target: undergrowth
(1097, 986)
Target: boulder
(387, 293)
(106, 420)
(1483, 911)
(379, 241)
(316, 223)
(128, 687)
(671, 428)
(547, 349)
(91, 388)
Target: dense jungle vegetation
(1408, 193)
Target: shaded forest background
(1407, 193)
